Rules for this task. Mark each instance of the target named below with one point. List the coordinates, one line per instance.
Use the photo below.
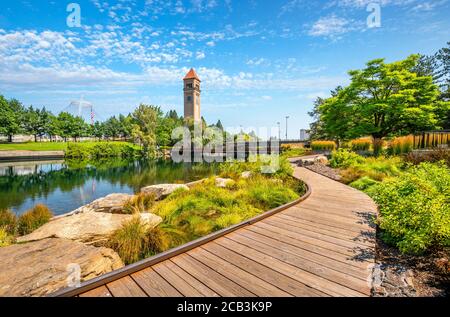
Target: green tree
(145, 120)
(69, 126)
(30, 122)
(112, 128)
(11, 113)
(383, 99)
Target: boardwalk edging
(138, 266)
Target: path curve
(323, 246)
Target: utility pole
(279, 131)
(287, 117)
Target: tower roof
(191, 75)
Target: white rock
(163, 190)
(224, 182)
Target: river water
(66, 185)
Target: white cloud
(330, 26)
(200, 55)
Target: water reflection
(67, 185)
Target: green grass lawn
(32, 146)
(43, 146)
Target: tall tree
(145, 120)
(11, 113)
(383, 99)
(30, 122)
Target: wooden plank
(302, 276)
(101, 291)
(310, 247)
(345, 241)
(307, 239)
(326, 278)
(154, 285)
(267, 274)
(328, 227)
(183, 275)
(125, 287)
(249, 281)
(179, 283)
(320, 260)
(316, 216)
(211, 278)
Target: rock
(87, 227)
(44, 267)
(246, 175)
(110, 204)
(311, 160)
(224, 182)
(163, 190)
(150, 220)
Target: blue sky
(259, 60)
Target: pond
(66, 185)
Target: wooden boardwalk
(324, 246)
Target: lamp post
(279, 131)
(287, 117)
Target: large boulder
(87, 227)
(112, 203)
(161, 191)
(43, 267)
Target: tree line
(387, 99)
(145, 121)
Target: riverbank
(30, 155)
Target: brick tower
(192, 97)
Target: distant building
(304, 135)
(192, 96)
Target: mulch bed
(401, 275)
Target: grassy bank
(34, 146)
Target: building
(304, 135)
(192, 96)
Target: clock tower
(192, 99)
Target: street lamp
(279, 131)
(287, 117)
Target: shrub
(361, 144)
(401, 145)
(8, 221)
(432, 156)
(277, 166)
(415, 209)
(93, 150)
(139, 203)
(6, 238)
(33, 219)
(343, 158)
(364, 183)
(323, 145)
(134, 241)
(294, 152)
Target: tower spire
(192, 96)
